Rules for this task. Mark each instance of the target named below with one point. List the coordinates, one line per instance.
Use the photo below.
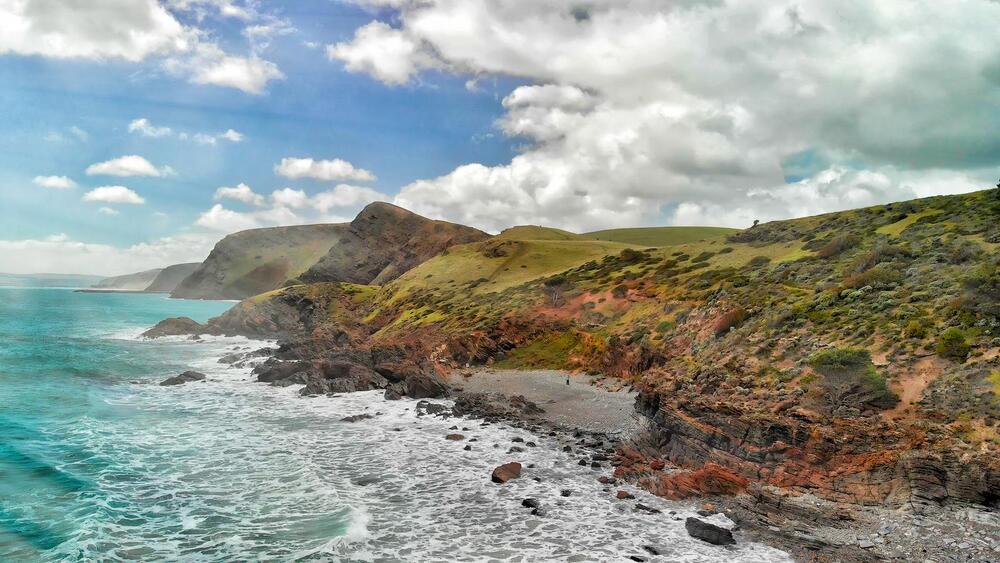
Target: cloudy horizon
(140, 132)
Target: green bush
(850, 378)
(915, 329)
(952, 344)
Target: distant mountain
(170, 277)
(129, 282)
(47, 280)
(383, 242)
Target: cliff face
(170, 277)
(385, 241)
(132, 282)
(258, 260)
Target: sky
(137, 133)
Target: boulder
(454, 437)
(174, 327)
(356, 417)
(183, 378)
(425, 385)
(530, 503)
(710, 533)
(624, 495)
(506, 472)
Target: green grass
(659, 236)
(534, 232)
(897, 228)
(551, 351)
(523, 261)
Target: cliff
(131, 282)
(170, 277)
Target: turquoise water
(98, 463)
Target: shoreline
(595, 422)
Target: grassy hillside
(659, 236)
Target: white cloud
(232, 136)
(96, 29)
(639, 108)
(328, 170)
(79, 133)
(131, 165)
(288, 197)
(113, 194)
(241, 192)
(54, 182)
(108, 211)
(390, 55)
(211, 65)
(59, 253)
(218, 218)
(288, 206)
(147, 129)
(134, 31)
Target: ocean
(98, 462)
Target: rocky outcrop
(186, 377)
(383, 242)
(170, 277)
(176, 326)
(858, 461)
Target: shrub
(758, 261)
(729, 320)
(879, 277)
(838, 245)
(915, 329)
(982, 290)
(850, 378)
(952, 344)
(883, 252)
(630, 256)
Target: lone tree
(554, 289)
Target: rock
(454, 437)
(605, 480)
(565, 492)
(506, 472)
(175, 327)
(530, 503)
(865, 544)
(467, 448)
(433, 409)
(515, 450)
(538, 512)
(186, 377)
(624, 495)
(426, 385)
(518, 440)
(649, 509)
(392, 393)
(710, 533)
(356, 417)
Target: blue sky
(318, 110)
(198, 118)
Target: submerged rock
(506, 472)
(710, 533)
(186, 377)
(357, 417)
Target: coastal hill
(170, 277)
(852, 355)
(380, 244)
(129, 282)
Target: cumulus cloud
(131, 165)
(113, 194)
(390, 55)
(241, 192)
(288, 206)
(211, 65)
(639, 110)
(133, 31)
(108, 211)
(54, 182)
(328, 170)
(59, 253)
